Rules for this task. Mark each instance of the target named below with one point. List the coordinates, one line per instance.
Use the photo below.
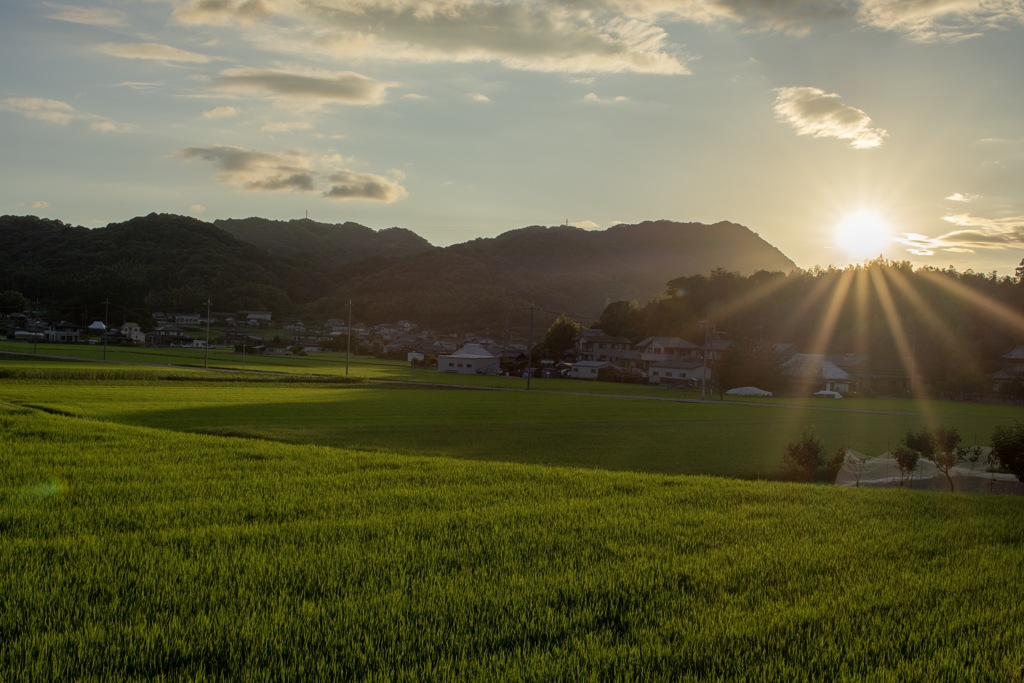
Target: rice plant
(136, 553)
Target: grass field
(633, 432)
(134, 553)
(352, 534)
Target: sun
(863, 235)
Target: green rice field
(562, 423)
(172, 524)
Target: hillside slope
(322, 243)
(563, 268)
(168, 262)
(159, 261)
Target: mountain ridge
(301, 266)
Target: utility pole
(706, 324)
(529, 350)
(913, 360)
(106, 316)
(348, 342)
(206, 356)
(35, 333)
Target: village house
(168, 335)
(186, 319)
(807, 373)
(662, 349)
(471, 359)
(1010, 377)
(255, 318)
(133, 333)
(680, 373)
(595, 369)
(595, 345)
(64, 333)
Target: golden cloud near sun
(863, 235)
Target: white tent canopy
(882, 471)
(748, 391)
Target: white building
(471, 359)
(133, 332)
(63, 333)
(678, 372)
(594, 369)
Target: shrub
(803, 456)
(1008, 448)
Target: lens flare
(863, 235)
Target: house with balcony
(663, 349)
(595, 345)
(64, 333)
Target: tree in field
(803, 456)
(1008, 448)
(560, 338)
(906, 459)
(941, 446)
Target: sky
(837, 130)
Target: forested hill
(563, 268)
(167, 262)
(155, 262)
(322, 243)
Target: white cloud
(88, 16)
(941, 20)
(961, 197)
(564, 37)
(197, 208)
(48, 111)
(347, 185)
(785, 16)
(811, 111)
(37, 204)
(221, 113)
(586, 224)
(1003, 141)
(479, 97)
(59, 113)
(111, 127)
(594, 97)
(151, 51)
(920, 20)
(973, 233)
(222, 12)
(285, 126)
(316, 88)
(256, 170)
(140, 85)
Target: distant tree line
(948, 328)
